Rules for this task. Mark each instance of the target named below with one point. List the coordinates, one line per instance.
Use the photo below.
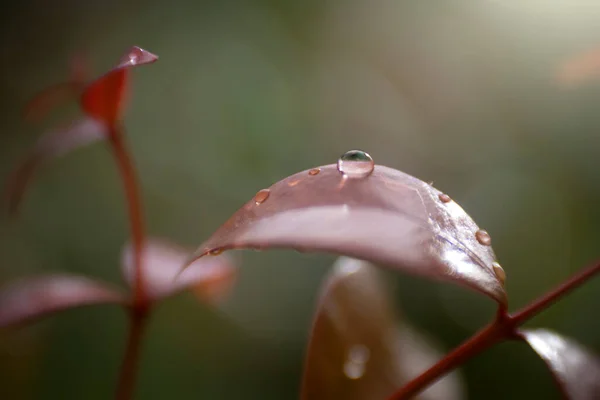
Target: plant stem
(134, 205)
(504, 327)
(561, 290)
(127, 377)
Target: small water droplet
(359, 354)
(261, 196)
(499, 272)
(483, 237)
(444, 198)
(293, 183)
(314, 171)
(355, 164)
(215, 252)
(354, 370)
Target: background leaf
(575, 369)
(104, 98)
(162, 260)
(358, 349)
(36, 297)
(50, 145)
(389, 218)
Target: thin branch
(128, 175)
(129, 368)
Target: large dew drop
(355, 164)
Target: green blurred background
(462, 93)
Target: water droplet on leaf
(314, 171)
(261, 196)
(499, 272)
(355, 164)
(483, 237)
(215, 252)
(444, 198)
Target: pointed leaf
(30, 298)
(52, 144)
(575, 369)
(388, 217)
(162, 262)
(358, 349)
(104, 98)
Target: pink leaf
(359, 349)
(162, 262)
(575, 369)
(52, 144)
(388, 217)
(36, 297)
(104, 98)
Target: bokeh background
(471, 95)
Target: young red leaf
(387, 217)
(575, 369)
(52, 144)
(161, 263)
(104, 98)
(358, 349)
(61, 93)
(30, 298)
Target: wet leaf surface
(162, 260)
(53, 144)
(104, 98)
(359, 349)
(30, 298)
(388, 217)
(575, 369)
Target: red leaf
(388, 217)
(162, 262)
(36, 297)
(50, 145)
(59, 94)
(575, 369)
(358, 349)
(104, 98)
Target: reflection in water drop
(355, 365)
(355, 164)
(261, 196)
(293, 183)
(483, 237)
(444, 198)
(314, 171)
(499, 271)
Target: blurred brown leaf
(210, 278)
(388, 217)
(580, 69)
(30, 298)
(53, 144)
(359, 349)
(575, 369)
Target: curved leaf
(575, 369)
(161, 264)
(358, 349)
(104, 98)
(389, 218)
(46, 100)
(36, 297)
(52, 144)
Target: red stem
(127, 377)
(504, 327)
(134, 204)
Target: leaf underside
(389, 218)
(575, 369)
(162, 260)
(359, 349)
(52, 144)
(32, 298)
